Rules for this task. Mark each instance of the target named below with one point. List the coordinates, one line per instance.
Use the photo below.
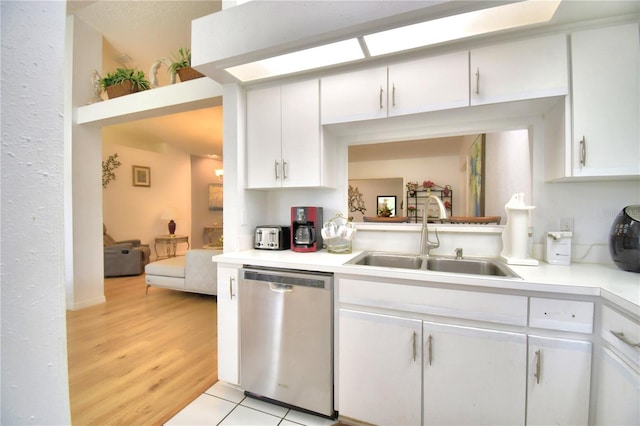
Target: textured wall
(34, 363)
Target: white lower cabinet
(380, 368)
(618, 401)
(228, 325)
(559, 381)
(473, 376)
(402, 361)
(618, 391)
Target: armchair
(126, 257)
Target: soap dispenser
(515, 236)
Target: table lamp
(169, 214)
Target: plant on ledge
(181, 65)
(124, 81)
(108, 168)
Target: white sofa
(194, 272)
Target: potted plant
(124, 81)
(182, 66)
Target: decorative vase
(188, 73)
(172, 227)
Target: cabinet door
(559, 381)
(359, 95)
(301, 149)
(379, 368)
(228, 332)
(430, 84)
(618, 401)
(473, 376)
(606, 101)
(526, 69)
(264, 156)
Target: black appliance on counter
(624, 239)
(272, 237)
(306, 223)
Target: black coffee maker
(306, 223)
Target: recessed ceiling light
(315, 57)
(461, 26)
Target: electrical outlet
(566, 224)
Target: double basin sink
(473, 266)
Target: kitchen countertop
(619, 287)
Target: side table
(171, 241)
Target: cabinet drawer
(622, 333)
(497, 308)
(565, 315)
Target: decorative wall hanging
(108, 168)
(476, 176)
(141, 175)
(215, 196)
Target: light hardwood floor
(138, 360)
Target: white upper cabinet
(283, 136)
(428, 84)
(354, 96)
(606, 101)
(525, 69)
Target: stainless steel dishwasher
(286, 338)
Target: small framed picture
(141, 175)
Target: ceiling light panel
(461, 26)
(316, 57)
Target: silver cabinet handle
(583, 152)
(414, 346)
(429, 351)
(231, 288)
(537, 373)
(478, 81)
(284, 170)
(393, 95)
(276, 167)
(620, 335)
(381, 92)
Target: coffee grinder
(306, 223)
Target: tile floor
(224, 405)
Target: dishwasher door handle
(280, 288)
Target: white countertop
(619, 287)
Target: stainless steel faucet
(459, 253)
(425, 244)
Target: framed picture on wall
(215, 196)
(141, 175)
(386, 205)
(476, 177)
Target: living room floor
(224, 405)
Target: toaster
(272, 237)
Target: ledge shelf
(179, 97)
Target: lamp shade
(170, 213)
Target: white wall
(34, 362)
(507, 170)
(134, 211)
